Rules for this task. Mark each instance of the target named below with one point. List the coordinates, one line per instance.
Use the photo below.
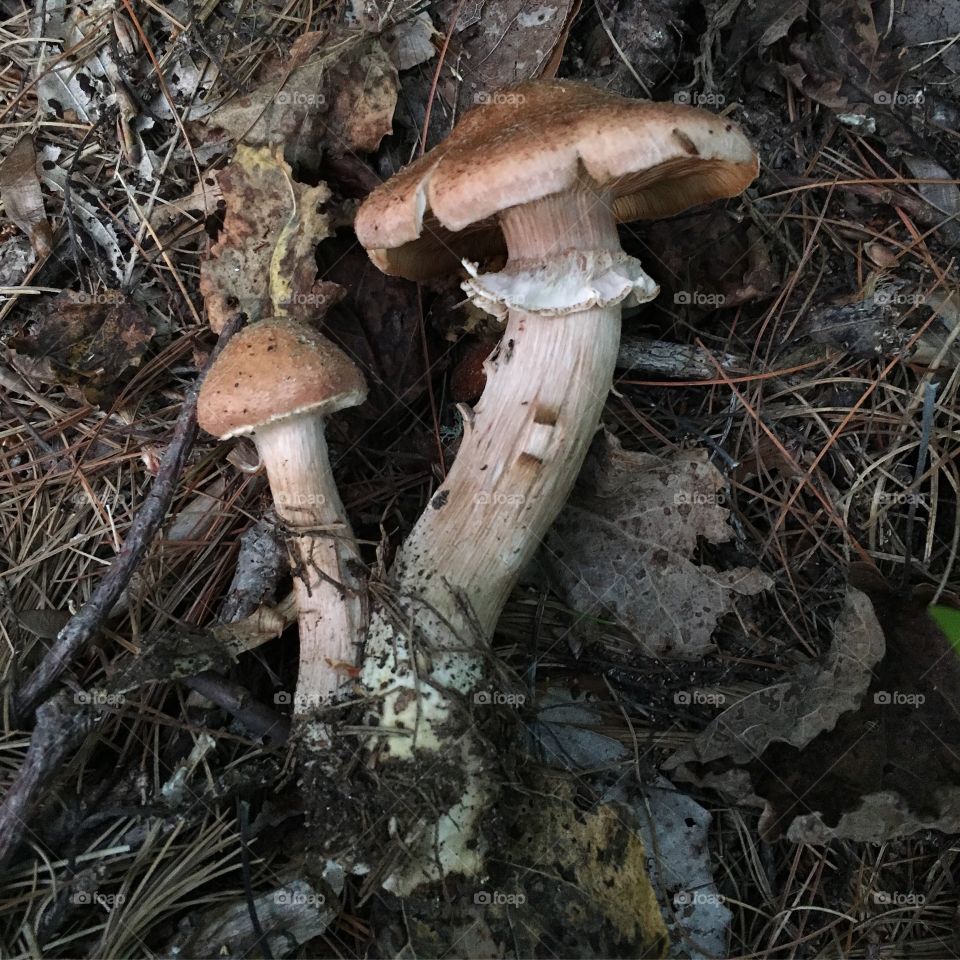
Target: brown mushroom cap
(537, 139)
(272, 370)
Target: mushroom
(279, 380)
(547, 168)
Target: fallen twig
(680, 360)
(257, 717)
(87, 621)
(61, 726)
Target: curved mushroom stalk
(519, 458)
(551, 167)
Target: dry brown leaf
(339, 97)
(22, 197)
(88, 339)
(623, 546)
(798, 710)
(863, 746)
(840, 63)
(363, 98)
(410, 42)
(263, 261)
(285, 104)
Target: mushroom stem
(294, 452)
(519, 458)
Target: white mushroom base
(428, 657)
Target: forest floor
(796, 751)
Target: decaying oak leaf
(840, 62)
(411, 42)
(363, 97)
(583, 875)
(263, 261)
(87, 339)
(623, 546)
(331, 94)
(285, 103)
(568, 879)
(501, 44)
(800, 709)
(22, 198)
(864, 746)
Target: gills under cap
(538, 139)
(272, 370)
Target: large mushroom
(279, 380)
(547, 169)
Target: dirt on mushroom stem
(428, 669)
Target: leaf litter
(624, 547)
(815, 87)
(861, 746)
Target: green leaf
(948, 619)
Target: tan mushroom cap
(537, 139)
(272, 370)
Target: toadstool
(279, 380)
(547, 170)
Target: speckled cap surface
(275, 369)
(537, 139)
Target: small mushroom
(279, 380)
(547, 170)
